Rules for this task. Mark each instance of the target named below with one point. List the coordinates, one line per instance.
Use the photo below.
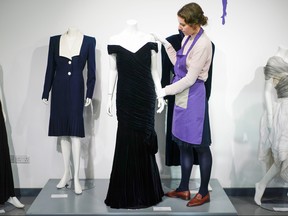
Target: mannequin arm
(157, 83)
(268, 100)
(113, 75)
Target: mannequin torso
(283, 54)
(70, 38)
(132, 39)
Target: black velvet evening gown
(135, 180)
(6, 176)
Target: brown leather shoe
(185, 195)
(198, 200)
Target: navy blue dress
(65, 77)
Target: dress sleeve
(111, 49)
(91, 72)
(154, 46)
(50, 70)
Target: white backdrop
(252, 33)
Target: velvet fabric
(6, 176)
(135, 179)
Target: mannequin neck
(72, 31)
(132, 27)
(131, 38)
(71, 36)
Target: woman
(190, 127)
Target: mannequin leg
(76, 149)
(261, 185)
(66, 152)
(14, 201)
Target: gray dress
(273, 146)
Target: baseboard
(274, 191)
(22, 192)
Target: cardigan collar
(69, 51)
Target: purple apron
(189, 108)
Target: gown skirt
(6, 176)
(273, 144)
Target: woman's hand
(161, 93)
(163, 41)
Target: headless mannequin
(12, 200)
(274, 170)
(71, 143)
(132, 39)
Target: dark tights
(187, 160)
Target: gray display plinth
(53, 201)
(279, 204)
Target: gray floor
(41, 205)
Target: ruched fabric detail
(135, 179)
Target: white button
(69, 62)
(69, 73)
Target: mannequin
(132, 39)
(70, 45)
(12, 199)
(272, 141)
(133, 66)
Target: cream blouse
(197, 63)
